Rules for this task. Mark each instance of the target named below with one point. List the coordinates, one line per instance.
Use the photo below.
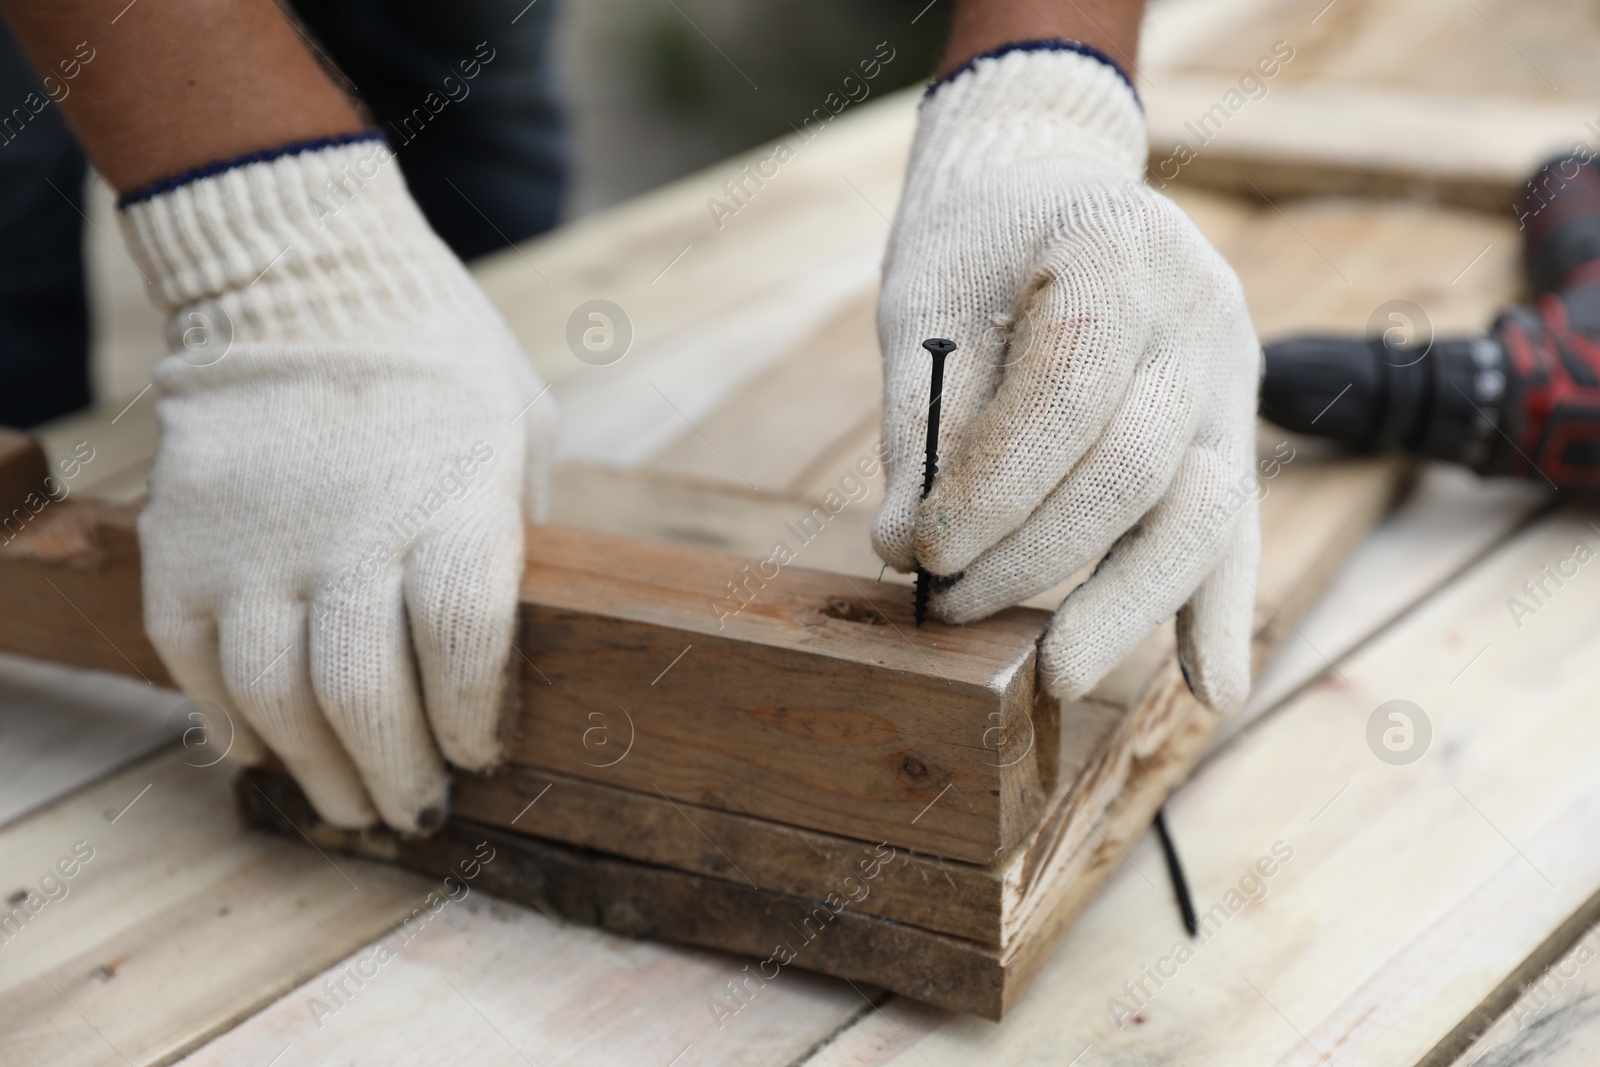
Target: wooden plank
(813, 702)
(1446, 522)
(1468, 150)
(726, 518)
(76, 567)
(711, 308)
(1316, 510)
(964, 900)
(663, 903)
(766, 717)
(811, 399)
(61, 729)
(490, 983)
(177, 924)
(801, 224)
(1556, 1020)
(1497, 47)
(1351, 111)
(1412, 891)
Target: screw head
(939, 346)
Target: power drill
(1523, 400)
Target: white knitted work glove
(1104, 388)
(333, 541)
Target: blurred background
(647, 91)
(650, 98)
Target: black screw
(938, 348)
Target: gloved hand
(333, 541)
(1104, 391)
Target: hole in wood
(837, 607)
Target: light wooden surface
(61, 728)
(1446, 522)
(179, 926)
(1555, 1022)
(501, 985)
(1350, 910)
(1452, 102)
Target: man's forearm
(1109, 25)
(176, 84)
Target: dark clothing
(462, 92)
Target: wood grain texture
(768, 715)
(1352, 110)
(1555, 1022)
(493, 984)
(1472, 151)
(1317, 512)
(816, 394)
(964, 900)
(177, 926)
(74, 570)
(816, 702)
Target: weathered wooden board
(1448, 520)
(74, 574)
(801, 697)
(496, 985)
(1313, 515)
(1332, 140)
(767, 716)
(1556, 1020)
(176, 925)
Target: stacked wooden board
(815, 740)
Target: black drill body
(1522, 400)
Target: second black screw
(938, 348)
